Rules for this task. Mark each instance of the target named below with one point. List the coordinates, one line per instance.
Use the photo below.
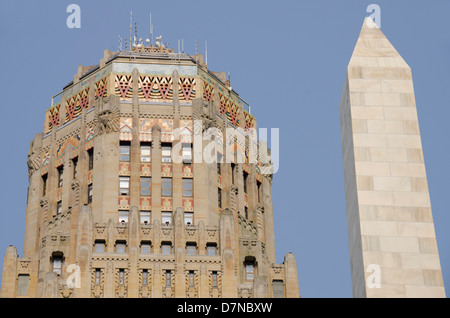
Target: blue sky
(288, 59)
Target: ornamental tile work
(146, 169)
(156, 88)
(126, 129)
(75, 104)
(53, 117)
(166, 204)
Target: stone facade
(393, 249)
(110, 215)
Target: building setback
(393, 249)
(111, 213)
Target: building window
(125, 151)
(123, 216)
(191, 278)
(191, 249)
(249, 270)
(166, 153)
(211, 249)
(98, 276)
(188, 218)
(214, 279)
(219, 161)
(121, 276)
(60, 176)
(44, 184)
(91, 159)
(124, 185)
(145, 277)
(120, 247)
(246, 212)
(145, 217)
(166, 248)
(75, 167)
(278, 289)
(219, 197)
(258, 185)
(187, 153)
(146, 152)
(166, 218)
(58, 207)
(245, 181)
(187, 187)
(146, 183)
(23, 281)
(90, 188)
(145, 248)
(233, 168)
(168, 278)
(99, 246)
(57, 260)
(166, 187)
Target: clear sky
(288, 59)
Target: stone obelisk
(392, 241)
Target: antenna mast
(206, 52)
(131, 27)
(151, 29)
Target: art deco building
(111, 212)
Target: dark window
(214, 279)
(120, 247)
(249, 270)
(145, 248)
(187, 153)
(99, 246)
(124, 151)
(191, 248)
(98, 276)
(146, 149)
(90, 187)
(258, 184)
(219, 193)
(278, 289)
(188, 218)
(211, 249)
(146, 186)
(121, 276)
(75, 167)
(23, 281)
(58, 207)
(91, 158)
(166, 152)
(166, 248)
(168, 278)
(124, 185)
(60, 176)
(44, 184)
(166, 187)
(245, 181)
(123, 216)
(144, 276)
(187, 187)
(191, 278)
(233, 168)
(57, 260)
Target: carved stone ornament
(107, 116)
